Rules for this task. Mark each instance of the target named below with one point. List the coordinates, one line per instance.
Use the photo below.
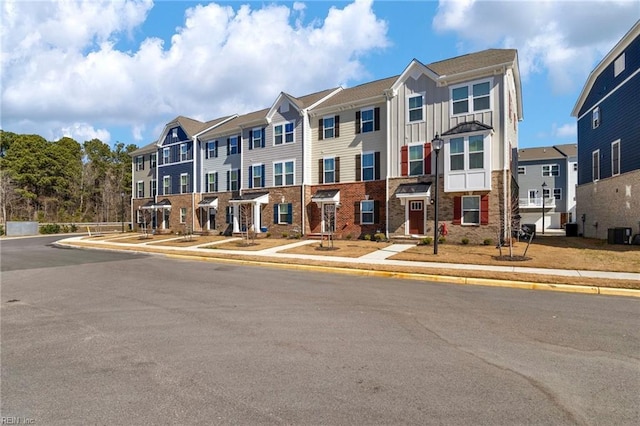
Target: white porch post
(234, 217)
(256, 217)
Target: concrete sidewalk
(379, 257)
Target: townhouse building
(608, 116)
(547, 177)
(355, 161)
(144, 186)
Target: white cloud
(564, 39)
(82, 132)
(60, 63)
(566, 131)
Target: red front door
(416, 217)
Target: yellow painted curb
(628, 292)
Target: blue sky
(118, 71)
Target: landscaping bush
(442, 240)
(367, 237)
(268, 235)
(426, 241)
(465, 241)
(50, 228)
(487, 242)
(349, 236)
(285, 235)
(1, 229)
(379, 237)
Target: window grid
(283, 173)
(366, 212)
(166, 155)
(329, 170)
(550, 170)
(153, 188)
(184, 183)
(183, 215)
(329, 124)
(166, 185)
(256, 172)
(471, 98)
(256, 138)
(211, 182)
(283, 213)
(234, 180)
(140, 191)
(184, 152)
(416, 160)
(368, 166)
(153, 160)
(471, 210)
(233, 145)
(522, 170)
(415, 108)
(456, 147)
(367, 120)
(557, 193)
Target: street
(91, 337)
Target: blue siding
(606, 81)
(175, 170)
(620, 119)
(168, 139)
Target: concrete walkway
(379, 257)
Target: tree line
(63, 180)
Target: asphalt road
(92, 337)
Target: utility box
(571, 229)
(619, 235)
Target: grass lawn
(192, 240)
(343, 248)
(544, 252)
(257, 244)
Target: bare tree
(329, 224)
(247, 227)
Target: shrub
(487, 242)
(442, 240)
(1, 229)
(73, 227)
(380, 237)
(426, 241)
(465, 241)
(50, 228)
(285, 235)
(268, 235)
(348, 236)
(367, 237)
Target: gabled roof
(467, 127)
(212, 124)
(474, 61)
(302, 102)
(152, 147)
(235, 125)
(356, 94)
(189, 125)
(569, 150)
(548, 152)
(613, 54)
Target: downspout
(196, 149)
(305, 122)
(505, 166)
(133, 184)
(388, 172)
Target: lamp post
(122, 210)
(436, 145)
(544, 185)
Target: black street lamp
(122, 210)
(544, 185)
(436, 145)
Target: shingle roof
(360, 92)
(467, 127)
(570, 149)
(189, 125)
(152, 147)
(307, 100)
(547, 152)
(235, 124)
(473, 61)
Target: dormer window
(174, 135)
(595, 117)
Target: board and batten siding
(349, 144)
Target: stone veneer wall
(475, 234)
(609, 203)
(350, 193)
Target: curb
(447, 279)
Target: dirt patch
(340, 248)
(257, 244)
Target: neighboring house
(608, 114)
(143, 185)
(549, 173)
(348, 162)
(473, 102)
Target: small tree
(329, 220)
(247, 228)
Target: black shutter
(264, 136)
(215, 182)
(357, 121)
(377, 165)
(336, 129)
(320, 129)
(358, 167)
(275, 214)
(337, 170)
(262, 179)
(250, 177)
(228, 146)
(228, 180)
(376, 211)
(239, 143)
(321, 171)
(215, 148)
(250, 139)
(290, 213)
(356, 212)
(376, 118)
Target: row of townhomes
(608, 114)
(352, 161)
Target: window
(212, 182)
(174, 134)
(368, 166)
(476, 152)
(166, 185)
(595, 165)
(283, 213)
(522, 170)
(139, 162)
(232, 146)
(256, 176)
(153, 160)
(366, 212)
(457, 153)
(184, 152)
(184, 183)
(619, 65)
(550, 170)
(140, 187)
(471, 210)
(212, 149)
(471, 98)
(166, 155)
(595, 117)
(256, 138)
(233, 180)
(416, 160)
(546, 193)
(575, 167)
(283, 173)
(153, 188)
(139, 216)
(183, 215)
(416, 108)
(615, 158)
(329, 124)
(329, 168)
(283, 133)
(557, 193)
(367, 120)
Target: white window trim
(373, 153)
(183, 215)
(284, 174)
(185, 153)
(470, 85)
(373, 119)
(166, 156)
(595, 154)
(466, 174)
(236, 180)
(324, 169)
(284, 133)
(280, 221)
(324, 127)
(138, 189)
(595, 118)
(238, 142)
(424, 107)
(139, 163)
(166, 179)
(254, 131)
(253, 176)
(207, 181)
(462, 210)
(153, 161)
(551, 168)
(362, 212)
(614, 143)
(182, 175)
(409, 146)
(524, 170)
(212, 150)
